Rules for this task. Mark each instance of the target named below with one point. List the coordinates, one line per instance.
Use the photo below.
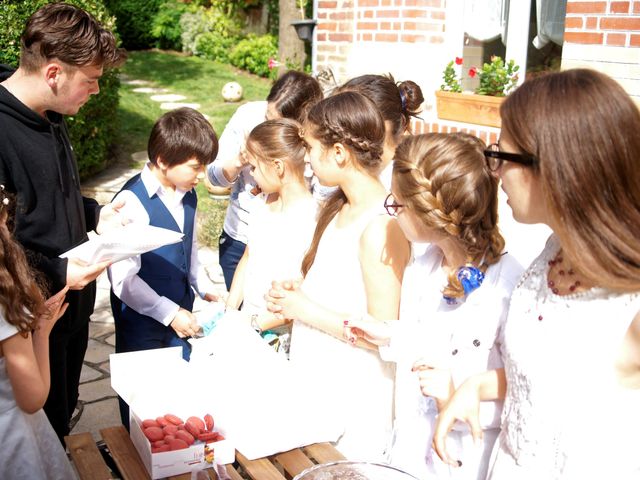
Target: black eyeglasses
(391, 207)
(495, 158)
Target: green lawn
(201, 82)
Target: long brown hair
(444, 181)
(279, 139)
(294, 93)
(583, 129)
(21, 298)
(397, 102)
(354, 121)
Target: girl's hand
(54, 309)
(367, 328)
(434, 382)
(464, 405)
(286, 300)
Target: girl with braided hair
(29, 448)
(397, 103)
(354, 266)
(454, 297)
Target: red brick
(367, 26)
(327, 4)
(340, 37)
(328, 26)
(368, 14)
(322, 15)
(573, 22)
(444, 128)
(412, 38)
(367, 37)
(619, 7)
(386, 37)
(321, 37)
(620, 23)
(340, 15)
(387, 14)
(634, 41)
(326, 48)
(397, 26)
(385, 26)
(592, 23)
(586, 7)
(368, 3)
(618, 39)
(436, 39)
(345, 27)
(437, 14)
(415, 13)
(493, 138)
(484, 136)
(423, 3)
(636, 7)
(590, 38)
(385, 3)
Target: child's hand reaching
(54, 309)
(434, 382)
(184, 324)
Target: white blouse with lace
(565, 414)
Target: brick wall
(605, 35)
(407, 38)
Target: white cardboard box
(157, 382)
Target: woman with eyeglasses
(568, 157)
(454, 297)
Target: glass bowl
(348, 470)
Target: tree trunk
(290, 47)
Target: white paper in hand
(120, 243)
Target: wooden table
(91, 466)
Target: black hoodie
(37, 163)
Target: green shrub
(165, 27)
(253, 54)
(92, 129)
(134, 19)
(214, 46)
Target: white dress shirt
(123, 275)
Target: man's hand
(110, 217)
(184, 323)
(80, 273)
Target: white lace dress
(565, 416)
(29, 448)
(359, 378)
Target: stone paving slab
(89, 374)
(96, 390)
(97, 352)
(174, 105)
(98, 415)
(169, 97)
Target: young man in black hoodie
(63, 53)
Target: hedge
(92, 130)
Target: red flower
(273, 63)
(473, 71)
(458, 60)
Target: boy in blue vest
(152, 294)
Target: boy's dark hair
(294, 93)
(70, 34)
(180, 135)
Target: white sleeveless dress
(362, 381)
(29, 448)
(565, 416)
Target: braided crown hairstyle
(21, 297)
(443, 179)
(397, 102)
(354, 121)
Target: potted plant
(481, 107)
(304, 26)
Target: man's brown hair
(70, 34)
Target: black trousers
(67, 347)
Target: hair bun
(412, 94)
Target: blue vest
(165, 270)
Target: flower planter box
(469, 108)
